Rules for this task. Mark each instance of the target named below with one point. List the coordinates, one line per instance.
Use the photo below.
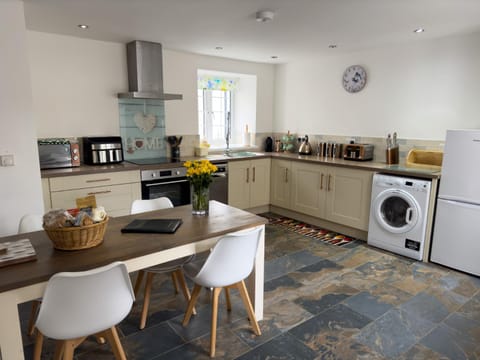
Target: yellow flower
(200, 172)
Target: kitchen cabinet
(249, 183)
(348, 197)
(115, 191)
(337, 194)
(281, 178)
(47, 205)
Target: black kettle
(268, 144)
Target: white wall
(180, 71)
(75, 84)
(20, 187)
(418, 89)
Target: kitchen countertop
(397, 169)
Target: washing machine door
(396, 211)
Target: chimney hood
(145, 72)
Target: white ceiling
(300, 27)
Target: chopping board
(18, 251)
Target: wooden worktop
(398, 169)
(120, 247)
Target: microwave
(57, 153)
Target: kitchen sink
(242, 154)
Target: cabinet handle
(99, 192)
(286, 175)
(329, 179)
(321, 182)
(98, 180)
(248, 175)
(253, 175)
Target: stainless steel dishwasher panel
(219, 185)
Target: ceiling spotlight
(419, 30)
(83, 26)
(274, 57)
(332, 46)
(264, 15)
(218, 48)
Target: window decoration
(209, 82)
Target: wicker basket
(77, 237)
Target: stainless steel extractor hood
(145, 72)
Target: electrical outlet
(7, 160)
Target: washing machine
(398, 214)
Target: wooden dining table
(26, 281)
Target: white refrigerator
(456, 232)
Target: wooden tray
(17, 252)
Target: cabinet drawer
(116, 199)
(93, 180)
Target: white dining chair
(227, 266)
(30, 223)
(78, 304)
(173, 267)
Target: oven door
(177, 190)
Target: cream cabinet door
(308, 193)
(348, 197)
(239, 184)
(281, 178)
(259, 182)
(47, 204)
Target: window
(215, 115)
(226, 104)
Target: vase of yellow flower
(199, 172)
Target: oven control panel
(173, 173)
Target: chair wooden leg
(114, 340)
(248, 305)
(191, 304)
(33, 317)
(213, 335)
(146, 300)
(59, 350)
(183, 284)
(37, 350)
(100, 339)
(227, 297)
(175, 281)
(138, 282)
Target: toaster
(102, 150)
(360, 152)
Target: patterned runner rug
(328, 236)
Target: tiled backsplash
(380, 145)
(191, 141)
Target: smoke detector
(264, 15)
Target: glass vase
(200, 199)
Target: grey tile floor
(321, 302)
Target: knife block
(392, 156)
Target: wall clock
(354, 78)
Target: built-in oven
(172, 183)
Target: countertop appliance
(398, 214)
(456, 239)
(305, 148)
(360, 152)
(219, 185)
(58, 153)
(102, 150)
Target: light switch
(7, 160)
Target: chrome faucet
(228, 132)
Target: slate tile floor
(321, 302)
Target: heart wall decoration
(145, 122)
